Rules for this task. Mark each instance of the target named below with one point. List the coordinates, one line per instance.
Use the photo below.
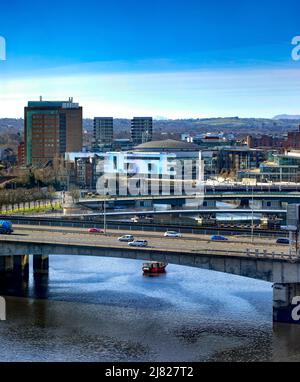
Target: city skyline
(223, 67)
(149, 184)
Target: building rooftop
(167, 145)
(69, 104)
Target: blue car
(6, 227)
(218, 238)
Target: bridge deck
(190, 243)
(210, 195)
(264, 259)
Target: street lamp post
(252, 217)
(104, 217)
(296, 241)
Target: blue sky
(179, 58)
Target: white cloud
(176, 94)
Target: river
(100, 309)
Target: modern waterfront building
(279, 168)
(154, 168)
(141, 130)
(162, 167)
(103, 133)
(51, 129)
(234, 159)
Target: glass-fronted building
(281, 168)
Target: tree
(45, 176)
(75, 194)
(50, 194)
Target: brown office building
(293, 140)
(51, 129)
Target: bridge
(262, 259)
(144, 225)
(263, 200)
(199, 211)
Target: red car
(96, 230)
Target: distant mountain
(287, 116)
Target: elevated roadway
(262, 259)
(237, 255)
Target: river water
(99, 309)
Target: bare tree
(51, 195)
(75, 194)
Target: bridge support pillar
(25, 265)
(6, 265)
(286, 303)
(21, 266)
(14, 273)
(40, 264)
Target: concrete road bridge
(262, 200)
(262, 259)
(191, 211)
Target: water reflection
(98, 309)
(286, 342)
(41, 286)
(13, 284)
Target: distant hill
(286, 117)
(172, 129)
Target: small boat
(153, 267)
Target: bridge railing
(292, 256)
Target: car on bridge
(218, 238)
(149, 218)
(96, 230)
(172, 234)
(283, 240)
(126, 238)
(138, 243)
(6, 227)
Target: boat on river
(154, 267)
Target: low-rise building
(280, 168)
(293, 140)
(234, 159)
(210, 140)
(265, 141)
(82, 169)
